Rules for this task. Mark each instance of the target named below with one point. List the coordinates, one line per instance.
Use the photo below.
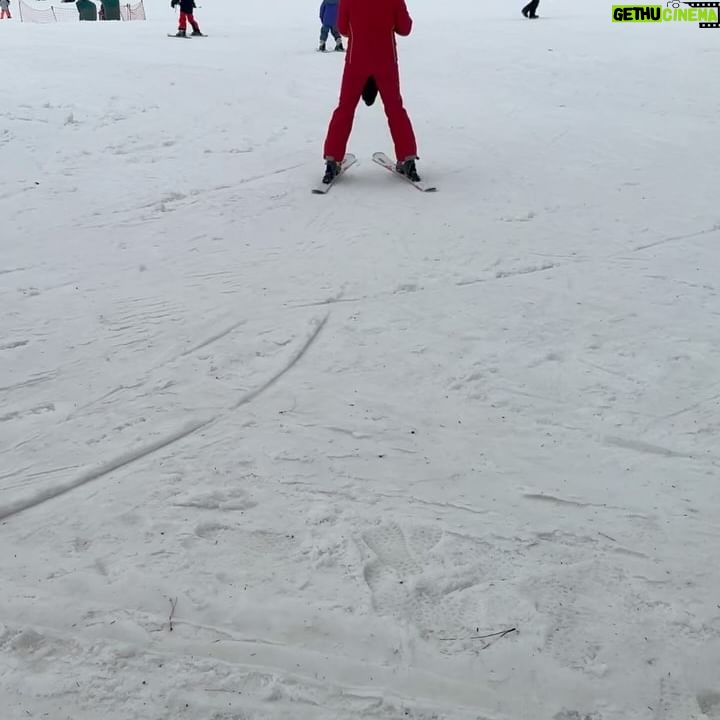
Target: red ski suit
(371, 26)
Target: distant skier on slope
(187, 8)
(371, 64)
(5, 10)
(328, 18)
(530, 10)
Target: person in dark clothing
(328, 18)
(187, 8)
(530, 10)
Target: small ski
(184, 37)
(322, 188)
(384, 161)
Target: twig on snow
(602, 534)
(173, 605)
(497, 635)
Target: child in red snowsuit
(187, 8)
(371, 61)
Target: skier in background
(186, 16)
(530, 10)
(328, 18)
(5, 10)
(371, 66)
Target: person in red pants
(187, 8)
(371, 62)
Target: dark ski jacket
(329, 12)
(186, 6)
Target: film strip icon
(715, 5)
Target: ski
(184, 37)
(322, 188)
(384, 161)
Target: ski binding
(322, 188)
(384, 161)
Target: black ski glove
(370, 91)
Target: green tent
(87, 9)
(111, 9)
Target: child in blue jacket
(328, 18)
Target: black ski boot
(197, 33)
(339, 46)
(321, 48)
(407, 168)
(180, 33)
(332, 170)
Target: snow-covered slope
(338, 439)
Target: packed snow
(377, 454)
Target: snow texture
(267, 455)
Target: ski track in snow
(56, 490)
(269, 455)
